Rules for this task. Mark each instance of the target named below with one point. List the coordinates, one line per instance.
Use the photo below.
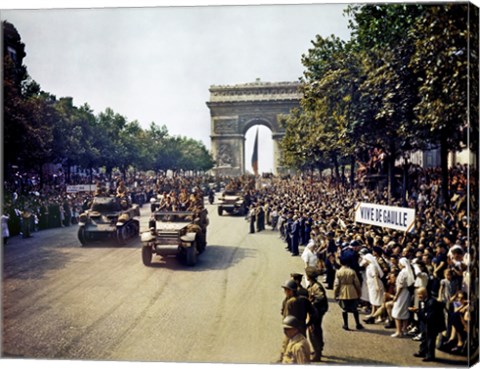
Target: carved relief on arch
(225, 157)
(225, 125)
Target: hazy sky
(156, 64)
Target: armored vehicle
(109, 217)
(179, 233)
(232, 202)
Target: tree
(317, 135)
(389, 92)
(441, 58)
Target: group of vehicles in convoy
(179, 233)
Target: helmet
(312, 272)
(291, 322)
(290, 284)
(364, 251)
(296, 276)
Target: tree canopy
(40, 128)
(399, 84)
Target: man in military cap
(301, 291)
(318, 297)
(297, 350)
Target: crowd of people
(31, 205)
(387, 274)
(393, 277)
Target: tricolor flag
(255, 155)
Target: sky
(154, 60)
(156, 63)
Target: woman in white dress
(309, 256)
(402, 298)
(376, 290)
(364, 296)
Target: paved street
(63, 301)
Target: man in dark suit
(295, 236)
(432, 322)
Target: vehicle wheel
(201, 242)
(220, 210)
(122, 235)
(136, 228)
(82, 235)
(191, 253)
(147, 255)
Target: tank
(109, 217)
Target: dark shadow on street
(214, 257)
(354, 361)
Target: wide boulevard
(99, 302)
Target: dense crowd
(30, 205)
(315, 218)
(392, 266)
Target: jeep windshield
(174, 216)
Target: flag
(255, 155)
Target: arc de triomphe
(235, 109)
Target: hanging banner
(402, 219)
(81, 188)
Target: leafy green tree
(385, 116)
(441, 59)
(108, 127)
(194, 155)
(28, 122)
(329, 87)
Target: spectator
(400, 312)
(430, 313)
(297, 349)
(347, 290)
(376, 291)
(5, 230)
(318, 297)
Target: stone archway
(235, 109)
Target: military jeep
(109, 217)
(173, 233)
(232, 202)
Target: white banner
(81, 188)
(402, 219)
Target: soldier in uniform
(295, 236)
(121, 190)
(200, 215)
(347, 290)
(26, 223)
(101, 189)
(288, 231)
(260, 217)
(183, 200)
(297, 305)
(318, 297)
(297, 350)
(252, 216)
(301, 291)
